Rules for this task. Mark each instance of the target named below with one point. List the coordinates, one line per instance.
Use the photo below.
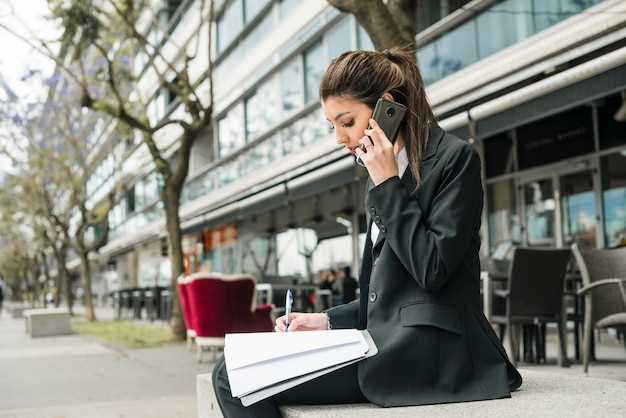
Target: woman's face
(348, 118)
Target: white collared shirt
(403, 162)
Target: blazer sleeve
(344, 316)
(432, 247)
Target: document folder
(262, 364)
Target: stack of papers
(262, 364)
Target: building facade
(538, 87)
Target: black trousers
(338, 387)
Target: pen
(288, 302)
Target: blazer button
(373, 296)
(382, 228)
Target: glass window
(457, 49)
(614, 196)
(539, 208)
(253, 7)
(304, 131)
(546, 13)
(428, 62)
(578, 209)
(260, 31)
(231, 134)
(263, 108)
(612, 131)
(314, 68)
(364, 41)
(503, 25)
(339, 39)
(227, 173)
(261, 156)
(291, 85)
(565, 135)
(502, 218)
(288, 6)
(229, 25)
(499, 154)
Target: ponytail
(366, 75)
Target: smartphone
(389, 116)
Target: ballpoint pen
(288, 302)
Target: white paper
(261, 394)
(257, 360)
(245, 349)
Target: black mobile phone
(389, 116)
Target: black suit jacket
(420, 287)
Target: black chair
(535, 296)
(604, 288)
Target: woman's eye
(348, 124)
(330, 127)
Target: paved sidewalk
(73, 376)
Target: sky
(17, 57)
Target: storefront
(560, 179)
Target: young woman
(420, 276)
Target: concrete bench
(47, 322)
(542, 394)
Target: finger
(376, 133)
(294, 324)
(365, 142)
(360, 154)
(280, 323)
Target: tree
(110, 35)
(388, 23)
(49, 185)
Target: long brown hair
(366, 75)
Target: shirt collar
(403, 161)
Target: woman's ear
(388, 96)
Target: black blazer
(420, 287)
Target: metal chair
(604, 288)
(535, 295)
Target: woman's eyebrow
(340, 115)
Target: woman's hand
(302, 322)
(379, 158)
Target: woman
(419, 280)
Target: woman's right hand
(302, 322)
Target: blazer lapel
(435, 135)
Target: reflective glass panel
(291, 85)
(614, 196)
(503, 25)
(457, 49)
(539, 207)
(229, 25)
(263, 108)
(253, 7)
(231, 131)
(314, 68)
(365, 42)
(339, 39)
(503, 220)
(578, 210)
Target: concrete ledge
(16, 311)
(543, 394)
(47, 322)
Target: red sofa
(220, 304)
(183, 297)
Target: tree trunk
(171, 200)
(90, 314)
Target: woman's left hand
(379, 160)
